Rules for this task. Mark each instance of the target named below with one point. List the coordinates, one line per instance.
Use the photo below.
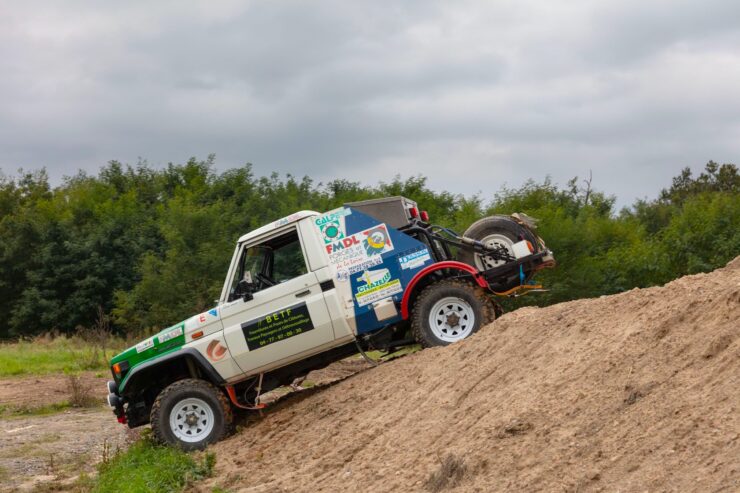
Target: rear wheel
(450, 311)
(191, 414)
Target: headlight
(119, 369)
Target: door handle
(303, 293)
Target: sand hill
(634, 392)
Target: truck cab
(279, 302)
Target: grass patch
(44, 355)
(403, 352)
(384, 356)
(23, 411)
(146, 466)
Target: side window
(288, 261)
(274, 261)
(251, 263)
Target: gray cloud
(470, 94)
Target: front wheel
(450, 311)
(191, 414)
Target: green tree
(151, 246)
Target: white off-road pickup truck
(313, 288)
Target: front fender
(134, 375)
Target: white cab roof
(293, 218)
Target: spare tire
(501, 231)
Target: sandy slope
(634, 392)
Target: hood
(163, 342)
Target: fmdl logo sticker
(359, 251)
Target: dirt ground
(49, 451)
(37, 391)
(632, 392)
(52, 451)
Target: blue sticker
(414, 260)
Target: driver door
(286, 315)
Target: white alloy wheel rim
(495, 240)
(191, 420)
(451, 319)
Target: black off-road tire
(480, 304)
(177, 392)
(498, 225)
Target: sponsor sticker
(377, 240)
(202, 318)
(170, 334)
(215, 350)
(414, 260)
(364, 265)
(144, 345)
(377, 286)
(360, 251)
(277, 326)
(332, 226)
(286, 220)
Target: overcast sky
(471, 94)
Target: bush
(704, 235)
(153, 468)
(80, 394)
(452, 471)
